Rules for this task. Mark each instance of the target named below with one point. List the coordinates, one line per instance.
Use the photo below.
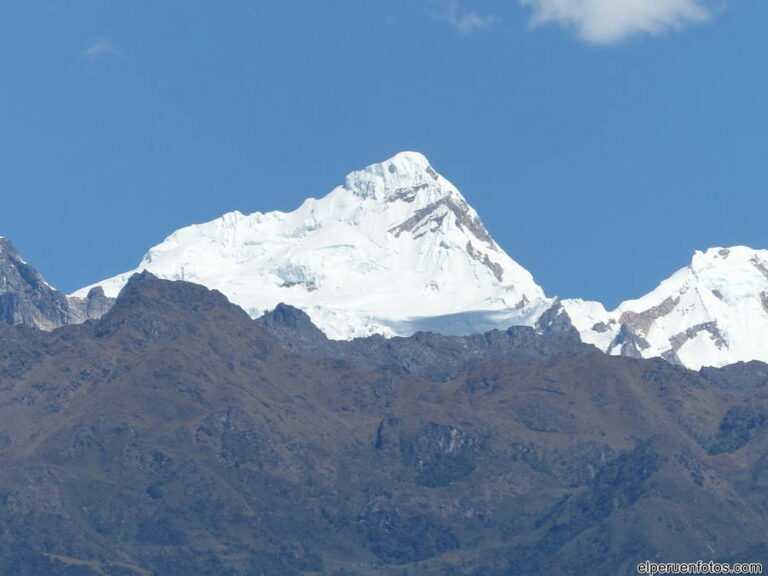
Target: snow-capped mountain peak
(395, 249)
(383, 180)
(710, 313)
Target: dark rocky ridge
(26, 298)
(177, 436)
(428, 355)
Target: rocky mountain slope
(178, 436)
(26, 298)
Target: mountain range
(397, 249)
(177, 436)
(371, 386)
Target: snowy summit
(393, 250)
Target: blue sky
(601, 144)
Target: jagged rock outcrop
(92, 307)
(426, 354)
(27, 299)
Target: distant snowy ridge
(397, 249)
(710, 313)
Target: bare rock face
(555, 321)
(27, 299)
(92, 307)
(628, 343)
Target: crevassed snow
(394, 250)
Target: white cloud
(610, 21)
(100, 48)
(463, 21)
